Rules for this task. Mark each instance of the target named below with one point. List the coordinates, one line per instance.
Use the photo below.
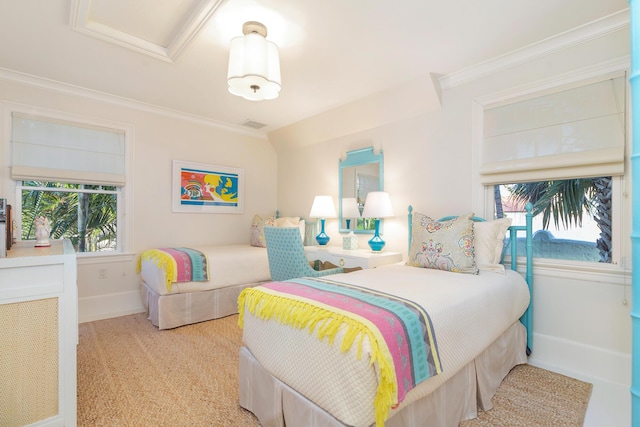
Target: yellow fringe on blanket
(164, 261)
(303, 315)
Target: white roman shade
(573, 133)
(53, 150)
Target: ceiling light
(254, 64)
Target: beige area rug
(531, 396)
(132, 374)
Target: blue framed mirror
(360, 172)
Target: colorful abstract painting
(207, 188)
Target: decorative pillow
(443, 245)
(292, 221)
(287, 221)
(257, 230)
(488, 243)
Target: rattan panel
(28, 361)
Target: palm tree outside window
(85, 214)
(574, 214)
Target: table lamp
(350, 210)
(377, 205)
(323, 208)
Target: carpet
(132, 374)
(531, 396)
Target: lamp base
(322, 238)
(376, 243)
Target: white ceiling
(173, 53)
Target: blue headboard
(527, 317)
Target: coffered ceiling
(158, 28)
(173, 53)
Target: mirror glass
(359, 173)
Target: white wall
(581, 325)
(159, 137)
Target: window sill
(577, 270)
(103, 258)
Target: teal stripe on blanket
(198, 264)
(423, 351)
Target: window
(573, 218)
(73, 174)
(85, 214)
(562, 149)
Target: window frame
(617, 183)
(20, 187)
(483, 194)
(124, 193)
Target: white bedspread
(228, 265)
(468, 313)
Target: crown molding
(80, 21)
(600, 28)
(29, 80)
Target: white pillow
(292, 221)
(489, 242)
(287, 221)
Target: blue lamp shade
(377, 205)
(350, 210)
(323, 208)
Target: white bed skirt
(459, 398)
(173, 310)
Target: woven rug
(132, 374)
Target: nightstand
(351, 258)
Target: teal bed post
(634, 81)
(527, 317)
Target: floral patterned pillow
(443, 245)
(257, 230)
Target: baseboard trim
(581, 361)
(109, 305)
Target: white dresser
(364, 258)
(38, 335)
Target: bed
(305, 363)
(172, 301)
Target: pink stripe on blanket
(390, 328)
(183, 263)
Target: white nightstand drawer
(351, 258)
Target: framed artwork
(201, 188)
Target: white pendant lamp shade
(254, 65)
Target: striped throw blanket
(402, 339)
(179, 264)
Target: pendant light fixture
(254, 64)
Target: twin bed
(426, 342)
(231, 268)
(174, 300)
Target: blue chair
(287, 259)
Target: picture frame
(204, 188)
